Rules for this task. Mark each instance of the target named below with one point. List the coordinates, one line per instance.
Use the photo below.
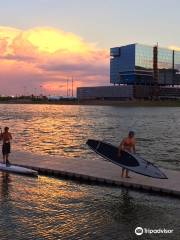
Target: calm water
(63, 130)
(50, 209)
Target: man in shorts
(6, 137)
(127, 144)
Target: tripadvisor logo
(139, 231)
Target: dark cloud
(82, 68)
(19, 58)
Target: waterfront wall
(128, 92)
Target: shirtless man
(127, 144)
(6, 137)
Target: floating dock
(97, 171)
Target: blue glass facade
(133, 64)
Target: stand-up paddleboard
(17, 170)
(127, 160)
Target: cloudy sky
(45, 42)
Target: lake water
(63, 130)
(50, 209)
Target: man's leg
(7, 159)
(122, 174)
(127, 175)
(4, 158)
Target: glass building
(138, 64)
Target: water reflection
(47, 208)
(126, 203)
(63, 130)
(5, 182)
(123, 210)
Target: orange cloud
(174, 48)
(45, 57)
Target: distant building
(54, 98)
(136, 63)
(105, 92)
(126, 92)
(139, 71)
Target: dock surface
(99, 171)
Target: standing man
(127, 144)
(6, 137)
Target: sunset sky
(45, 42)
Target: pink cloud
(42, 59)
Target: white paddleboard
(17, 170)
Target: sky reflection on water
(63, 130)
(48, 208)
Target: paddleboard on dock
(17, 170)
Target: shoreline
(118, 103)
